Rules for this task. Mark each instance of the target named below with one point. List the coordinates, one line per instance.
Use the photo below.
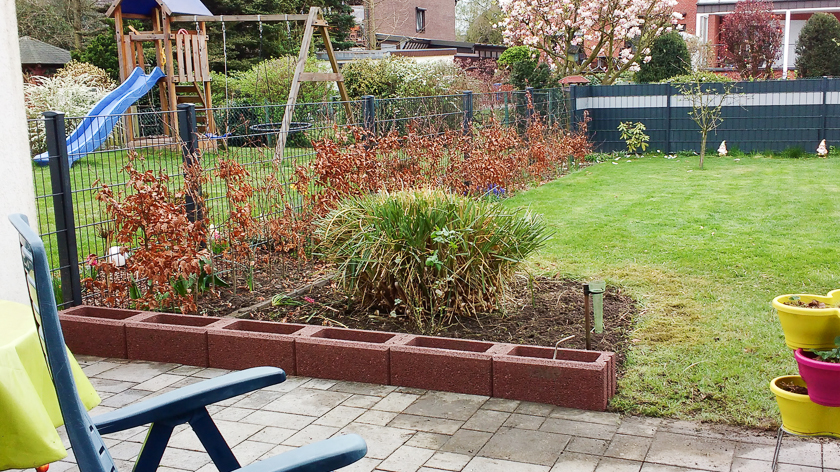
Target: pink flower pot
(822, 378)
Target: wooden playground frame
(183, 57)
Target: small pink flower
(92, 260)
(308, 300)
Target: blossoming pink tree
(583, 36)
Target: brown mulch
(541, 314)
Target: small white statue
(722, 149)
(822, 151)
(115, 257)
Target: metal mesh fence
(246, 134)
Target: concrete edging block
(343, 354)
(168, 337)
(95, 331)
(447, 364)
(575, 379)
(240, 344)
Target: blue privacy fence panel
(757, 116)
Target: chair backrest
(91, 453)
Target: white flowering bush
(396, 76)
(73, 95)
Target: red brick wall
(398, 17)
(689, 10)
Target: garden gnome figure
(822, 151)
(722, 149)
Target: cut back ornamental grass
(704, 252)
(428, 254)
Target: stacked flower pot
(564, 377)
(808, 328)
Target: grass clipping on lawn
(429, 254)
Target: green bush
(704, 76)
(270, 81)
(427, 254)
(517, 54)
(818, 47)
(668, 58)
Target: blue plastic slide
(99, 123)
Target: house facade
(792, 13)
(423, 19)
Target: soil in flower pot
(789, 386)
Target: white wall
(17, 192)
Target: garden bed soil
(281, 276)
(540, 314)
(791, 387)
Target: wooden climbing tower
(182, 54)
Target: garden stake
(586, 325)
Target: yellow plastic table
(29, 410)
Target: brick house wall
(398, 17)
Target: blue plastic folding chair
(164, 412)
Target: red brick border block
(448, 364)
(240, 344)
(95, 331)
(164, 337)
(343, 354)
(576, 379)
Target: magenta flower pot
(822, 378)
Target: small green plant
(634, 135)
(832, 355)
(428, 254)
(795, 152)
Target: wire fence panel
(151, 141)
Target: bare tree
(706, 101)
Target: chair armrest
(187, 399)
(330, 454)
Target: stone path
(410, 430)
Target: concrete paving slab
(599, 417)
(359, 388)
(639, 426)
(691, 452)
(382, 441)
(587, 446)
(425, 423)
(340, 416)
(466, 442)
(428, 440)
(484, 464)
(395, 402)
(307, 401)
(609, 464)
(522, 445)
(575, 462)
(501, 404)
(579, 428)
(448, 461)
(632, 448)
(133, 372)
(486, 420)
(454, 406)
(382, 418)
(518, 420)
(406, 459)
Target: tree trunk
(370, 27)
(76, 16)
(704, 134)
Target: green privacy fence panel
(758, 116)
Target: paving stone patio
(410, 430)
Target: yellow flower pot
(809, 328)
(802, 416)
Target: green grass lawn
(704, 252)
